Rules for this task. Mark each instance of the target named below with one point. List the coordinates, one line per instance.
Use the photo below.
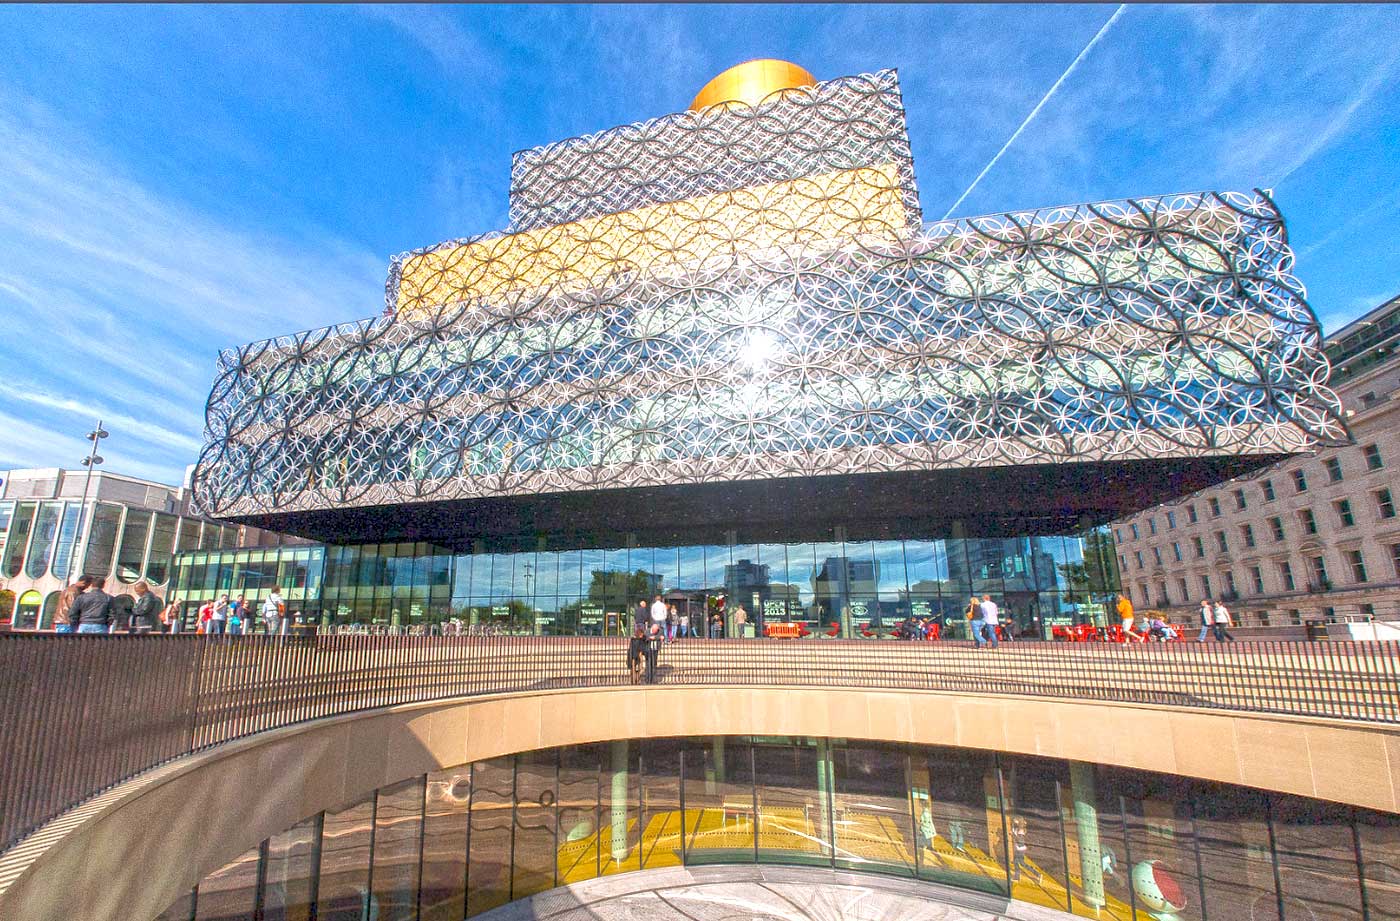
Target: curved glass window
(67, 541)
(18, 539)
(41, 544)
(7, 512)
(131, 555)
(162, 547)
(102, 539)
(50, 607)
(27, 610)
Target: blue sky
(176, 180)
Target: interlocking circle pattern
(785, 324)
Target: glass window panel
(1233, 834)
(546, 575)
(188, 538)
(181, 910)
(1379, 835)
(690, 573)
(488, 860)
(1035, 792)
(398, 817)
(445, 817)
(1316, 859)
(67, 542)
(793, 824)
(131, 554)
(19, 538)
(1162, 844)
(661, 803)
(229, 892)
(873, 825)
(41, 544)
(763, 587)
(579, 836)
(7, 513)
(619, 795)
(719, 813)
(534, 846)
(830, 590)
(966, 821)
(287, 876)
(162, 548)
(571, 573)
(343, 893)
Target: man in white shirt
(658, 613)
(272, 612)
(990, 613)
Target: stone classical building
(1312, 538)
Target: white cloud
(115, 297)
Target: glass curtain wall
(849, 588)
(1097, 842)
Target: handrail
(81, 714)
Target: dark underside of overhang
(984, 502)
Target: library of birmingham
(720, 356)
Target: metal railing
(82, 714)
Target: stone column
(1086, 824)
(619, 801)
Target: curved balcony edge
(79, 866)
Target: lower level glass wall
(825, 588)
(1095, 841)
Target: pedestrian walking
(61, 621)
(991, 614)
(1207, 620)
(975, 623)
(1126, 617)
(672, 623)
(91, 612)
(636, 651)
(658, 615)
(1222, 622)
(741, 617)
(145, 612)
(1018, 848)
(643, 614)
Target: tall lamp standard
(85, 523)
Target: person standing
(146, 609)
(1222, 621)
(61, 621)
(643, 615)
(658, 615)
(218, 616)
(172, 615)
(656, 633)
(92, 610)
(672, 622)
(991, 614)
(272, 609)
(1207, 620)
(741, 617)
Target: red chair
(835, 630)
(935, 632)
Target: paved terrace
(87, 713)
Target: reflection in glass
(162, 547)
(67, 540)
(535, 844)
(719, 804)
(794, 822)
(131, 555)
(398, 816)
(343, 890)
(445, 817)
(287, 872)
(45, 530)
(1316, 859)
(578, 813)
(660, 803)
(871, 809)
(230, 891)
(18, 538)
(488, 860)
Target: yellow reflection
(660, 238)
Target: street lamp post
(79, 554)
